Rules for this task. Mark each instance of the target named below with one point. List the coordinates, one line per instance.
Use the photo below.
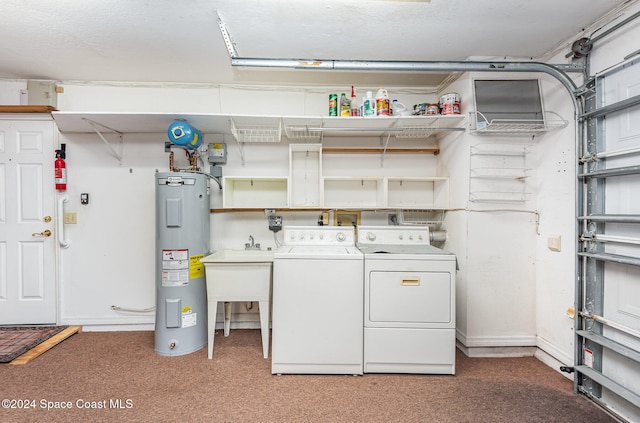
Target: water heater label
(189, 319)
(175, 267)
(196, 266)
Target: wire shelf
(479, 124)
(303, 132)
(414, 131)
(256, 133)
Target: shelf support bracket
(96, 126)
(231, 48)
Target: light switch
(71, 218)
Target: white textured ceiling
(179, 41)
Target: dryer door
(406, 299)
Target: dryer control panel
(393, 235)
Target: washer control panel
(393, 235)
(319, 235)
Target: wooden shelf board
(27, 109)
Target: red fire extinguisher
(61, 169)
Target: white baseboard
(497, 351)
(495, 341)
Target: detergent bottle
(382, 102)
(368, 105)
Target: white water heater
(182, 239)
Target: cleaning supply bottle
(382, 102)
(345, 105)
(368, 105)
(355, 110)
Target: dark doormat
(16, 340)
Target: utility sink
(239, 256)
(238, 275)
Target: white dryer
(317, 302)
(409, 307)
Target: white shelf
(255, 192)
(353, 192)
(295, 127)
(417, 192)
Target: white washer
(317, 302)
(409, 307)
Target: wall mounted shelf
(265, 128)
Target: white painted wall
(497, 242)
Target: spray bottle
(355, 110)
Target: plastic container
(382, 103)
(368, 105)
(397, 108)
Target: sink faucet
(251, 245)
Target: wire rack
(256, 133)
(303, 132)
(479, 124)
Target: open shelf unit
(306, 187)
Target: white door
(27, 201)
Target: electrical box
(217, 153)
(42, 93)
(275, 223)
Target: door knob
(46, 232)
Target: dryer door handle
(410, 282)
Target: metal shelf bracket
(96, 127)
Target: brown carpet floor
(121, 368)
